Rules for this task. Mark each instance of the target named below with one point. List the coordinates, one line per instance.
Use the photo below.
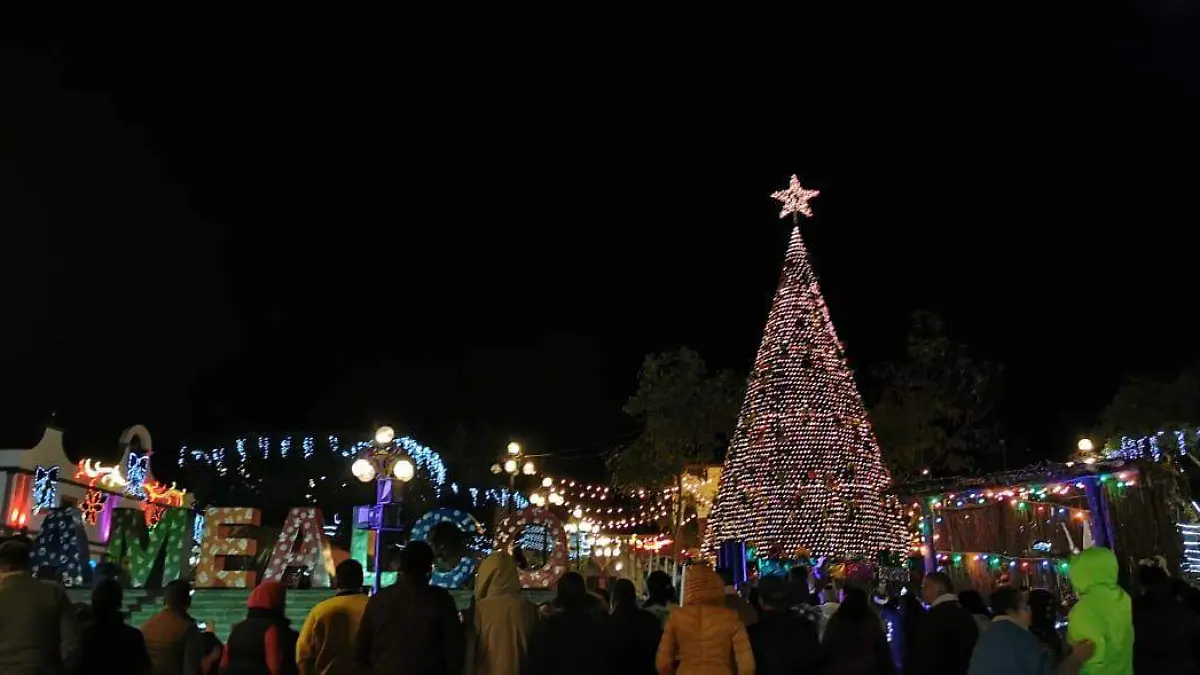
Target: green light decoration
(360, 545)
(133, 544)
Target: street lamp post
(386, 463)
(514, 463)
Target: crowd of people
(779, 626)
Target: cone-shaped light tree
(803, 471)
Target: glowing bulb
(578, 513)
(547, 481)
(384, 435)
(510, 466)
(570, 528)
(363, 470)
(529, 469)
(496, 468)
(619, 566)
(514, 448)
(404, 469)
(1085, 445)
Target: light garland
(803, 469)
(1000, 561)
(45, 488)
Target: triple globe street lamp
(386, 463)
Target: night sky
(221, 219)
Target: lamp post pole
(386, 463)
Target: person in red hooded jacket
(262, 644)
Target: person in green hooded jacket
(1103, 615)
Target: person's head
(416, 561)
(774, 593)
(349, 575)
(1153, 578)
(14, 554)
(798, 576)
(658, 588)
(178, 595)
(269, 595)
(1093, 568)
(973, 602)
(107, 598)
(572, 592)
(624, 596)
(1043, 608)
(936, 585)
(1011, 602)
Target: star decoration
(795, 199)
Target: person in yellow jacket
(502, 622)
(326, 644)
(703, 636)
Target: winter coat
(1104, 613)
(326, 643)
(855, 647)
(174, 642)
(502, 621)
(784, 642)
(635, 637)
(1166, 635)
(412, 628)
(572, 641)
(703, 635)
(107, 639)
(39, 631)
(1008, 648)
(262, 644)
(945, 637)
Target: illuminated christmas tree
(803, 472)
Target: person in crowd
(107, 639)
(972, 601)
(213, 651)
(855, 643)
(734, 599)
(39, 631)
(913, 613)
(577, 627)
(1166, 633)
(1008, 647)
(704, 636)
(1043, 621)
(784, 642)
(830, 599)
(635, 632)
(326, 642)
(802, 591)
(1103, 615)
(262, 642)
(172, 637)
(946, 633)
(660, 595)
(411, 627)
(501, 626)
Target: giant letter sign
(63, 543)
(216, 547)
(130, 540)
(307, 525)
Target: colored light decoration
(136, 468)
(45, 488)
(803, 469)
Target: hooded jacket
(1103, 614)
(703, 635)
(503, 621)
(262, 644)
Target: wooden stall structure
(1021, 527)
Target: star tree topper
(795, 199)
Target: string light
(45, 488)
(803, 470)
(795, 199)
